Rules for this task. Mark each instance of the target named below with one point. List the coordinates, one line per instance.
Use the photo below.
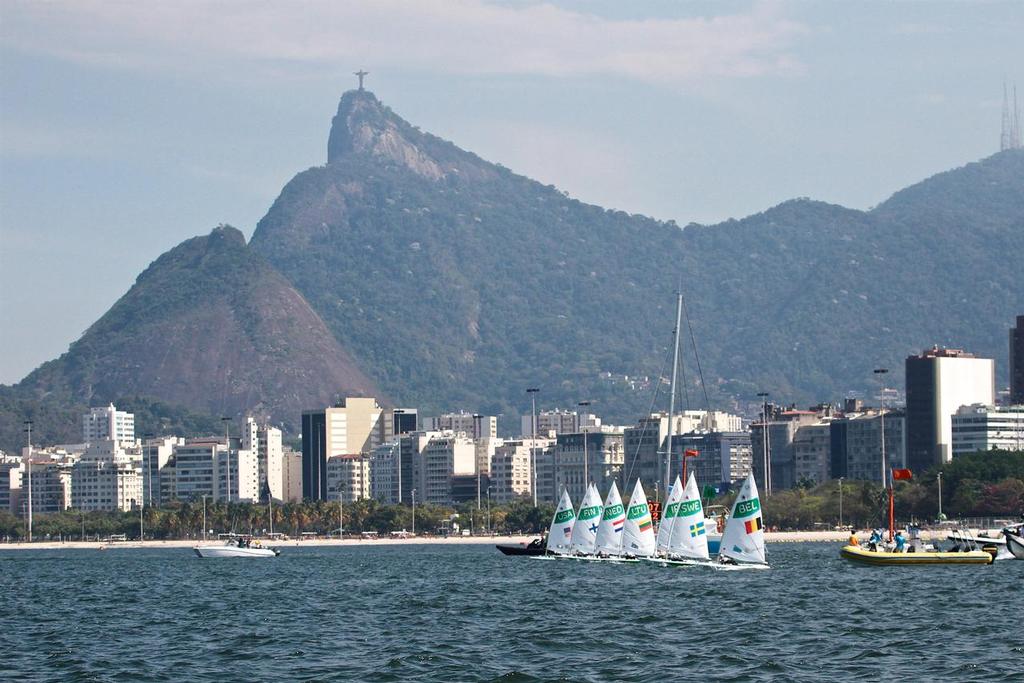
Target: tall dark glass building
(1017, 362)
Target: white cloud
(302, 39)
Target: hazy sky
(127, 127)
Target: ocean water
(467, 613)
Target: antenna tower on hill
(1010, 138)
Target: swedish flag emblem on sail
(696, 529)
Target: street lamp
(414, 512)
(476, 456)
(204, 517)
(532, 391)
(840, 502)
(766, 471)
(881, 411)
(28, 428)
(489, 530)
(586, 464)
(341, 511)
(939, 478)
(149, 462)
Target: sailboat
(584, 531)
(668, 518)
(608, 546)
(560, 531)
(688, 542)
(743, 539)
(638, 531)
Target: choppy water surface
(467, 613)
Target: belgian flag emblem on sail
(753, 525)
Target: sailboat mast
(672, 399)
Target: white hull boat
(1015, 544)
(232, 550)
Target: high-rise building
(601, 450)
(354, 426)
(863, 439)
(781, 454)
(51, 486)
(512, 468)
(1017, 362)
(11, 468)
(158, 469)
(348, 477)
(983, 428)
(939, 381)
(265, 442)
(812, 452)
(108, 423)
(291, 476)
(107, 477)
(723, 458)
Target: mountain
(457, 283)
(411, 269)
(208, 326)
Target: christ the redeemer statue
(361, 74)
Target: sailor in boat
(875, 540)
(901, 542)
(853, 540)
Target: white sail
(560, 533)
(584, 531)
(689, 537)
(638, 533)
(613, 519)
(743, 539)
(668, 516)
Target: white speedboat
(1015, 544)
(236, 549)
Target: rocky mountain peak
(364, 128)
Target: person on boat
(853, 540)
(901, 542)
(875, 540)
(241, 542)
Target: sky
(127, 127)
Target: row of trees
(185, 520)
(977, 485)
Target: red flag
(688, 453)
(901, 474)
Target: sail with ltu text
(689, 539)
(743, 538)
(560, 533)
(613, 519)
(638, 535)
(668, 516)
(584, 531)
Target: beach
(769, 536)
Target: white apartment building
(107, 477)
(981, 427)
(384, 473)
(864, 444)
(348, 477)
(194, 468)
(265, 441)
(939, 381)
(512, 468)
(587, 457)
(108, 423)
(443, 456)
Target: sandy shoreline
(770, 537)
